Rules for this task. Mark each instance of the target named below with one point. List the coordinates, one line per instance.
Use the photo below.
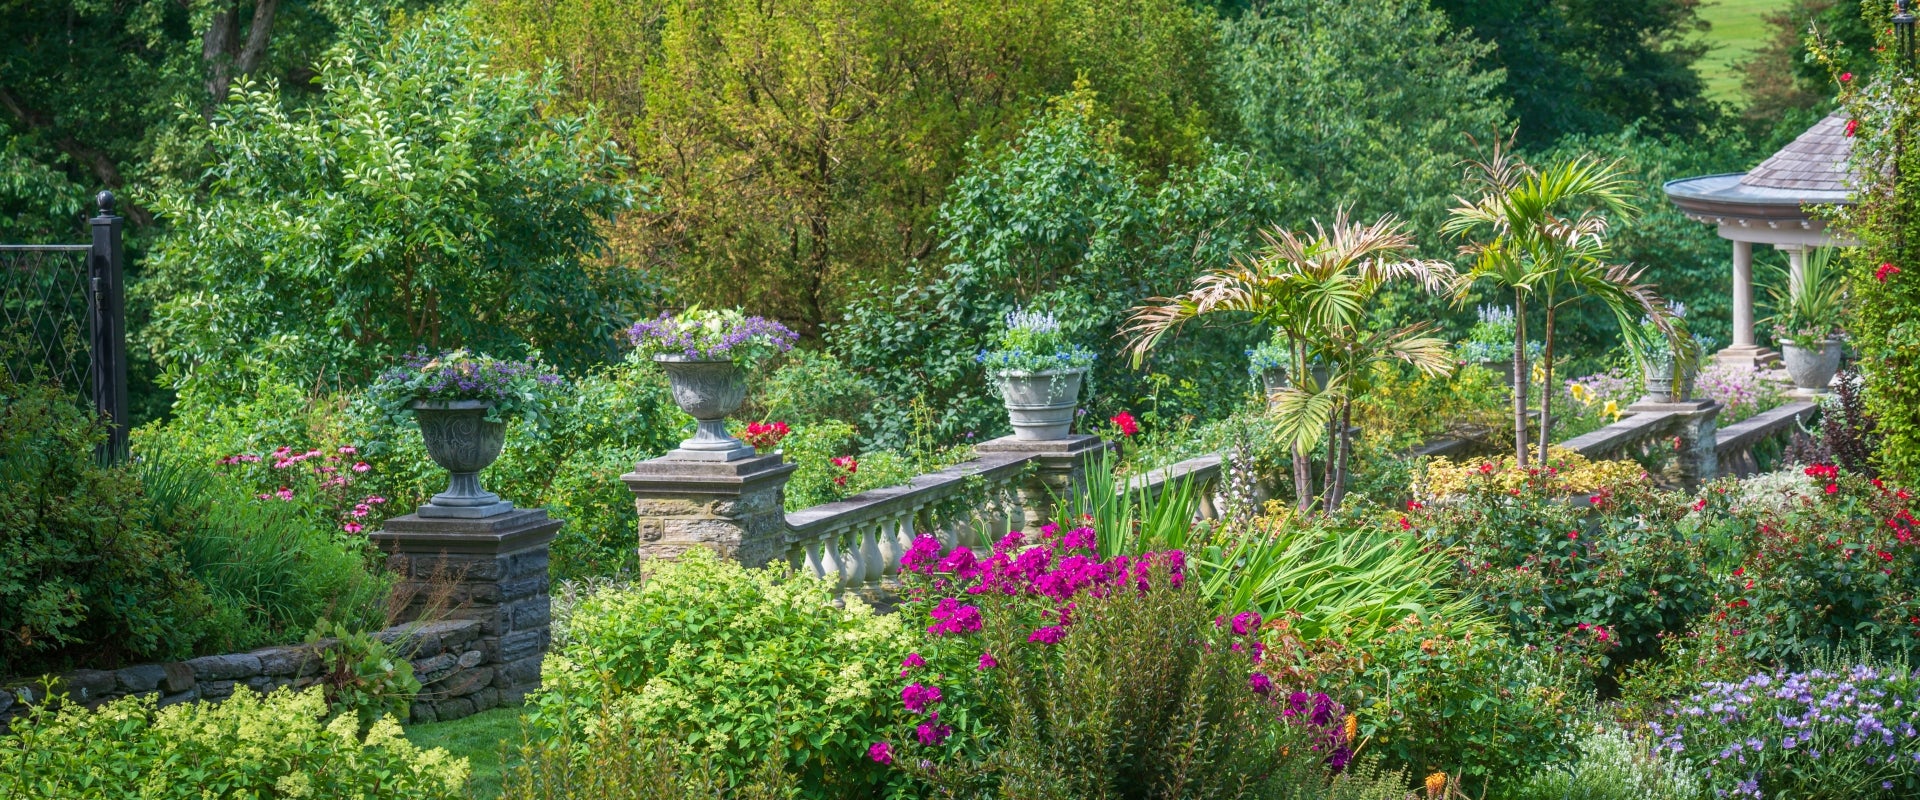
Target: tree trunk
(1546, 387)
(217, 49)
(1302, 465)
(1520, 370)
(1337, 485)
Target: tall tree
(1592, 66)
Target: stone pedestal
(1696, 460)
(735, 507)
(493, 570)
(1748, 355)
(1060, 470)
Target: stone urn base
(461, 440)
(708, 391)
(1041, 404)
(1812, 368)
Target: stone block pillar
(496, 569)
(1696, 458)
(737, 508)
(1060, 470)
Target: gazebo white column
(1745, 349)
(1796, 265)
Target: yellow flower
(1612, 409)
(1580, 392)
(1353, 729)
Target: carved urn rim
(669, 358)
(1045, 373)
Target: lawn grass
(481, 738)
(1737, 30)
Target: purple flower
(1048, 635)
(1259, 683)
(921, 555)
(951, 617)
(1246, 622)
(917, 697)
(880, 752)
(912, 661)
(987, 661)
(932, 734)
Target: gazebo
(1769, 205)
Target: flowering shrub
(1033, 342)
(1592, 402)
(276, 745)
(742, 662)
(765, 436)
(1045, 650)
(1611, 579)
(1836, 560)
(1613, 765)
(1741, 391)
(700, 334)
(1565, 473)
(515, 389)
(1836, 732)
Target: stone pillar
(1696, 457)
(738, 507)
(1796, 266)
(1745, 349)
(492, 569)
(1059, 471)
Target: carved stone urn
(1041, 404)
(461, 440)
(1669, 382)
(1812, 368)
(708, 391)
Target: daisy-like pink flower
(353, 527)
(284, 493)
(361, 466)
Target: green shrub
(743, 661)
(612, 757)
(829, 469)
(1459, 699)
(250, 746)
(1612, 765)
(83, 568)
(365, 677)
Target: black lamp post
(1903, 29)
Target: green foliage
(250, 745)
(1365, 106)
(1461, 699)
(829, 470)
(83, 566)
(1591, 66)
(804, 151)
(1808, 315)
(1612, 765)
(365, 677)
(426, 198)
(1059, 219)
(481, 739)
(1882, 273)
(613, 757)
(809, 387)
(743, 662)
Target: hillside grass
(1737, 29)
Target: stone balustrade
(1737, 446)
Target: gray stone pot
(1275, 379)
(1669, 384)
(708, 391)
(1812, 369)
(1041, 404)
(1501, 368)
(461, 440)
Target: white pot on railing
(1041, 404)
(1812, 368)
(1669, 383)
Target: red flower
(1700, 504)
(1833, 488)
(1846, 77)
(1825, 472)
(1853, 126)
(847, 463)
(1573, 534)
(1126, 423)
(1886, 270)
(766, 436)
(1405, 525)
(1486, 468)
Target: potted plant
(1038, 372)
(1272, 363)
(1806, 323)
(705, 353)
(1490, 344)
(462, 402)
(1671, 361)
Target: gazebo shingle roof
(1816, 161)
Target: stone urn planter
(461, 440)
(1501, 368)
(1669, 383)
(708, 391)
(1041, 404)
(1812, 368)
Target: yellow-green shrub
(279, 745)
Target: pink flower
(1886, 270)
(917, 697)
(880, 752)
(912, 661)
(1846, 77)
(362, 510)
(1246, 622)
(361, 466)
(987, 661)
(931, 734)
(376, 499)
(1047, 635)
(353, 527)
(1259, 683)
(950, 617)
(347, 450)
(1853, 127)
(284, 493)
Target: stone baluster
(871, 564)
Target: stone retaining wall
(460, 672)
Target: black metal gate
(63, 318)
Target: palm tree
(1313, 290)
(1543, 233)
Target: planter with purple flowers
(706, 354)
(463, 402)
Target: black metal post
(106, 303)
(1903, 31)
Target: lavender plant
(1827, 732)
(516, 389)
(699, 334)
(1034, 342)
(1492, 337)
